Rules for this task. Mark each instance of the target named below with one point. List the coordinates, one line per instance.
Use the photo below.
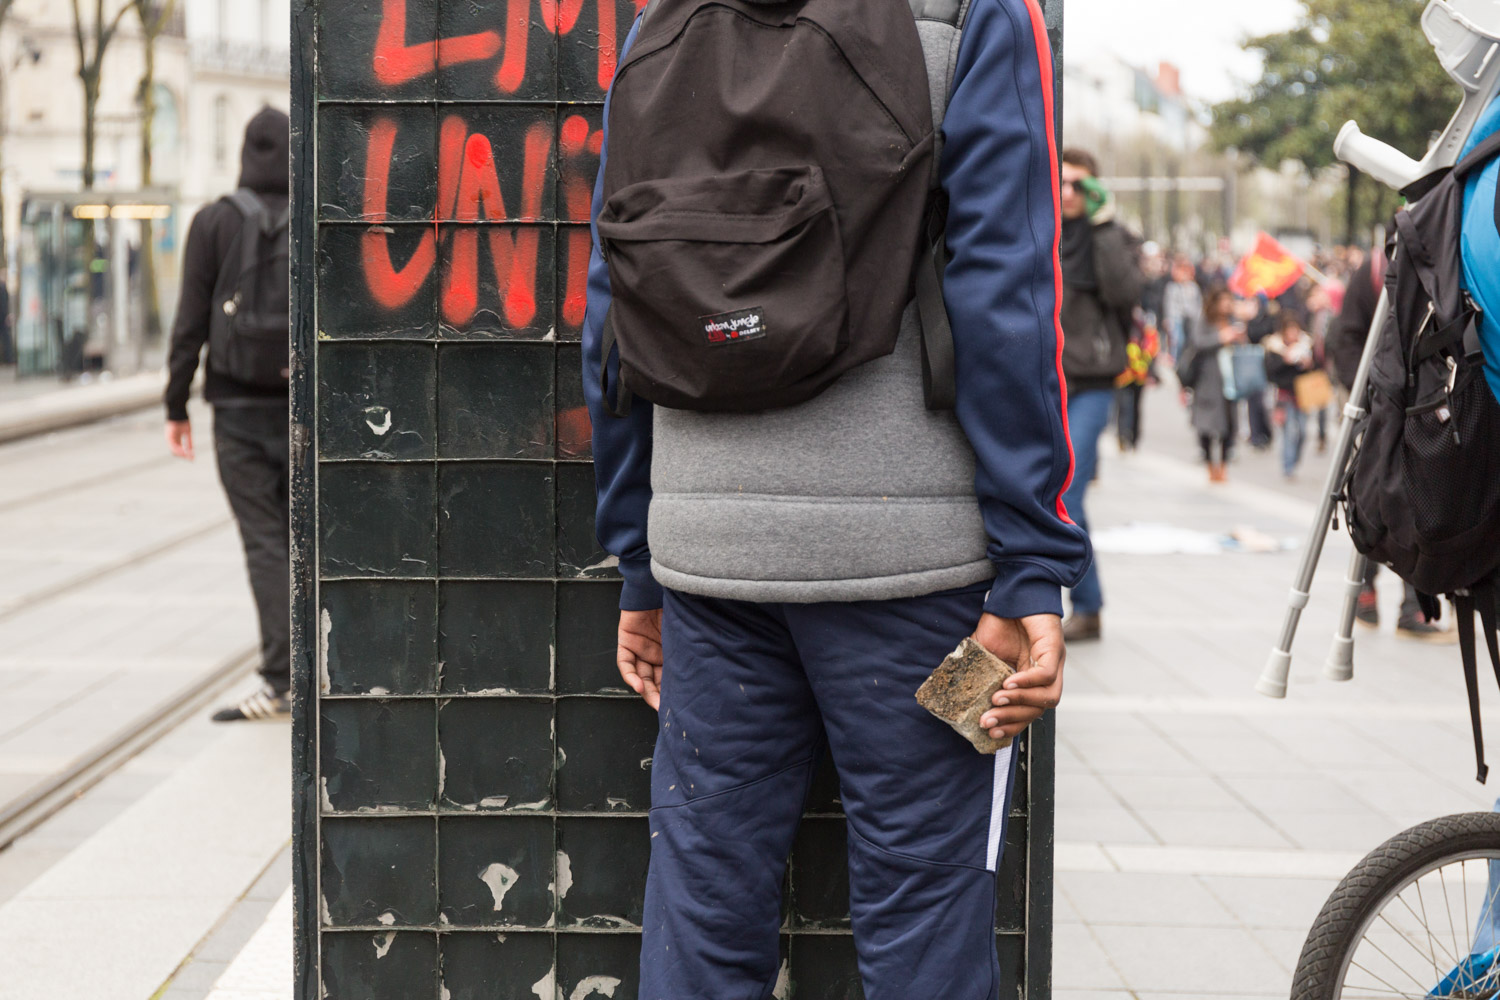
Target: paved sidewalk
(1200, 825)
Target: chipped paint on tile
(500, 878)
(383, 943)
(378, 419)
(325, 632)
(595, 985)
(783, 988)
(545, 988)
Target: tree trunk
(151, 313)
(90, 110)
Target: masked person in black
(234, 295)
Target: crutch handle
(1380, 160)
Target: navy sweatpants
(752, 696)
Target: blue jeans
(1088, 415)
(1293, 434)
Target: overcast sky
(1201, 36)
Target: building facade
(217, 63)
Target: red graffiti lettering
(396, 62)
(468, 192)
(476, 197)
(390, 287)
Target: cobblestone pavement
(1200, 825)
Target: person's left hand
(1035, 645)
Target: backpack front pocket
(728, 290)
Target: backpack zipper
(1411, 375)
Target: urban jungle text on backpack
(248, 338)
(764, 193)
(1423, 495)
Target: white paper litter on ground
(1143, 538)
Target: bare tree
(93, 41)
(155, 17)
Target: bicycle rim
(1421, 931)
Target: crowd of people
(1260, 347)
(1250, 369)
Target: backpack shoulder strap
(1465, 606)
(941, 55)
(1478, 156)
(248, 203)
(940, 27)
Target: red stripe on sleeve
(1044, 64)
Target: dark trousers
(1260, 422)
(250, 444)
(751, 697)
(1129, 418)
(1411, 606)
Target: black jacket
(1097, 324)
(212, 238)
(1347, 335)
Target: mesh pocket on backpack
(1451, 461)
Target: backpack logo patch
(733, 327)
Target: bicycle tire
(1337, 931)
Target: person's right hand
(638, 653)
(180, 438)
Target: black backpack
(768, 177)
(1423, 489)
(249, 329)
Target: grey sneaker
(267, 703)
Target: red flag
(1267, 268)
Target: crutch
(1466, 35)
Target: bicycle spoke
(1463, 885)
(1422, 922)
(1404, 937)
(1390, 990)
(1448, 907)
(1426, 925)
(1396, 965)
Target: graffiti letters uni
(477, 177)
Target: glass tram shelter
(97, 277)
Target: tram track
(130, 560)
(112, 475)
(54, 793)
(68, 737)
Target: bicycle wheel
(1415, 919)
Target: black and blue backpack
(1422, 494)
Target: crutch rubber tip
(1340, 665)
(1272, 681)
